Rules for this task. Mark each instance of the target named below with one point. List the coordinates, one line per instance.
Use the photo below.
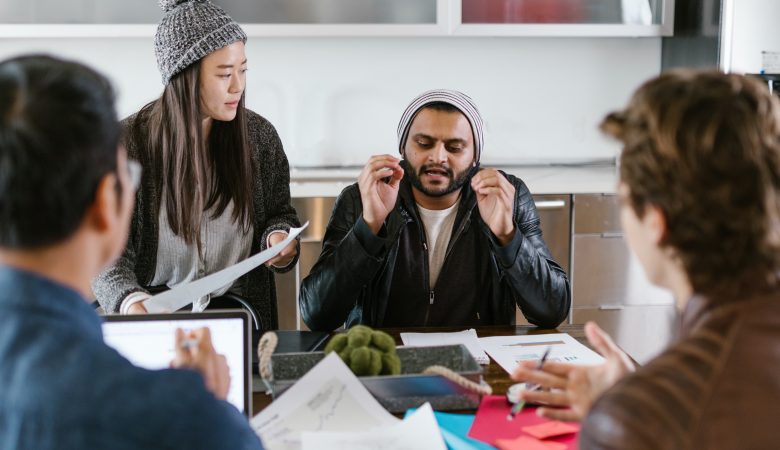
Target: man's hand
(496, 201)
(286, 255)
(378, 196)
(569, 390)
(195, 351)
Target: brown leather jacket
(717, 387)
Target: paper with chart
(329, 397)
(466, 337)
(419, 431)
(181, 296)
(507, 351)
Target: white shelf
(76, 30)
(561, 30)
(448, 23)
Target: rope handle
(266, 348)
(460, 380)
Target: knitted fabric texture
(190, 30)
(463, 102)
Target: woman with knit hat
(215, 186)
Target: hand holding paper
(286, 255)
(183, 295)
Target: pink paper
(551, 429)
(528, 443)
(490, 423)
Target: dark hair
(58, 138)
(192, 175)
(704, 147)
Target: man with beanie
(433, 239)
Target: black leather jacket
(359, 276)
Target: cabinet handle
(611, 235)
(610, 307)
(550, 204)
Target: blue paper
(455, 429)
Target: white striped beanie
(455, 98)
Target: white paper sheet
(466, 337)
(419, 431)
(329, 397)
(507, 351)
(185, 294)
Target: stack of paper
(466, 337)
(329, 408)
(417, 432)
(328, 398)
(507, 351)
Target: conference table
(493, 374)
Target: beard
(456, 181)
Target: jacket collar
(701, 308)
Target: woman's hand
(569, 390)
(137, 308)
(286, 255)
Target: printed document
(185, 294)
(419, 431)
(507, 351)
(466, 337)
(329, 397)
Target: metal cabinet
(609, 285)
(317, 211)
(555, 215)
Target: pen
(517, 407)
(189, 343)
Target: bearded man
(433, 239)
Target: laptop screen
(148, 341)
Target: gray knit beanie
(455, 98)
(190, 30)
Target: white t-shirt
(438, 231)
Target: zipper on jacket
(430, 305)
(453, 240)
(427, 278)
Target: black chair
(227, 300)
(233, 301)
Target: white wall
(335, 101)
(755, 28)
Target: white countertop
(305, 182)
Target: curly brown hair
(704, 148)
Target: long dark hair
(194, 175)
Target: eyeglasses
(134, 170)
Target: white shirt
(223, 244)
(438, 231)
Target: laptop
(147, 340)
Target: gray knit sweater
(272, 211)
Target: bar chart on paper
(507, 351)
